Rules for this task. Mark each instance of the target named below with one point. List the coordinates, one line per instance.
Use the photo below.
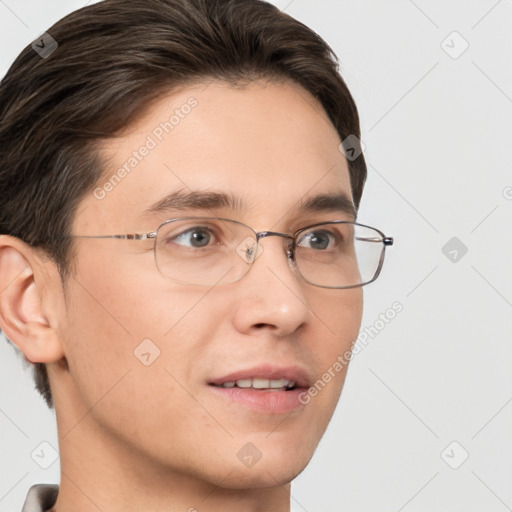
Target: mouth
(265, 389)
(260, 384)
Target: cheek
(146, 406)
(120, 317)
(347, 315)
(338, 323)
(339, 313)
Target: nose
(271, 296)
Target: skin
(155, 437)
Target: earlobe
(21, 312)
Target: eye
(194, 237)
(319, 240)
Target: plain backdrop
(425, 418)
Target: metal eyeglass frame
(386, 241)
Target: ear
(22, 281)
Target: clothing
(40, 497)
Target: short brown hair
(115, 58)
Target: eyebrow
(337, 201)
(334, 202)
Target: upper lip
(267, 371)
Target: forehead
(269, 144)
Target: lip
(265, 400)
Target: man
(179, 250)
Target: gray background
(434, 385)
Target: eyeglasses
(207, 250)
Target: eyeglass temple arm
(135, 236)
(387, 240)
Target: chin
(264, 474)
(262, 463)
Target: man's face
(272, 146)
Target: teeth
(244, 383)
(278, 383)
(260, 383)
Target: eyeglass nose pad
(249, 249)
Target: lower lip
(270, 402)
